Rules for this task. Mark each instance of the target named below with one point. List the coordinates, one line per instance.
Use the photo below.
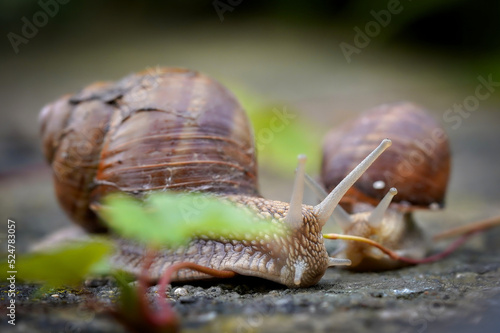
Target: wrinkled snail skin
(176, 129)
(417, 165)
(272, 257)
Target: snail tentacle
(325, 209)
(294, 216)
(377, 215)
(339, 214)
(338, 262)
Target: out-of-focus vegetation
(280, 133)
(470, 26)
(64, 266)
(172, 219)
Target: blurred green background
(272, 54)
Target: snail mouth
(302, 273)
(300, 268)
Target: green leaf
(281, 134)
(173, 219)
(67, 265)
(279, 146)
(133, 219)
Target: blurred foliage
(64, 266)
(173, 219)
(281, 134)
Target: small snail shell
(176, 129)
(417, 165)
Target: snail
(177, 129)
(413, 174)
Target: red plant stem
(390, 253)
(143, 284)
(453, 246)
(450, 249)
(468, 228)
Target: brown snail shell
(160, 129)
(418, 163)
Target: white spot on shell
(434, 206)
(378, 185)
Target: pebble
(55, 296)
(207, 316)
(467, 276)
(215, 291)
(180, 292)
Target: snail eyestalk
(377, 214)
(318, 190)
(338, 262)
(325, 209)
(342, 217)
(339, 214)
(294, 216)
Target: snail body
(296, 257)
(176, 129)
(417, 165)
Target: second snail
(412, 175)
